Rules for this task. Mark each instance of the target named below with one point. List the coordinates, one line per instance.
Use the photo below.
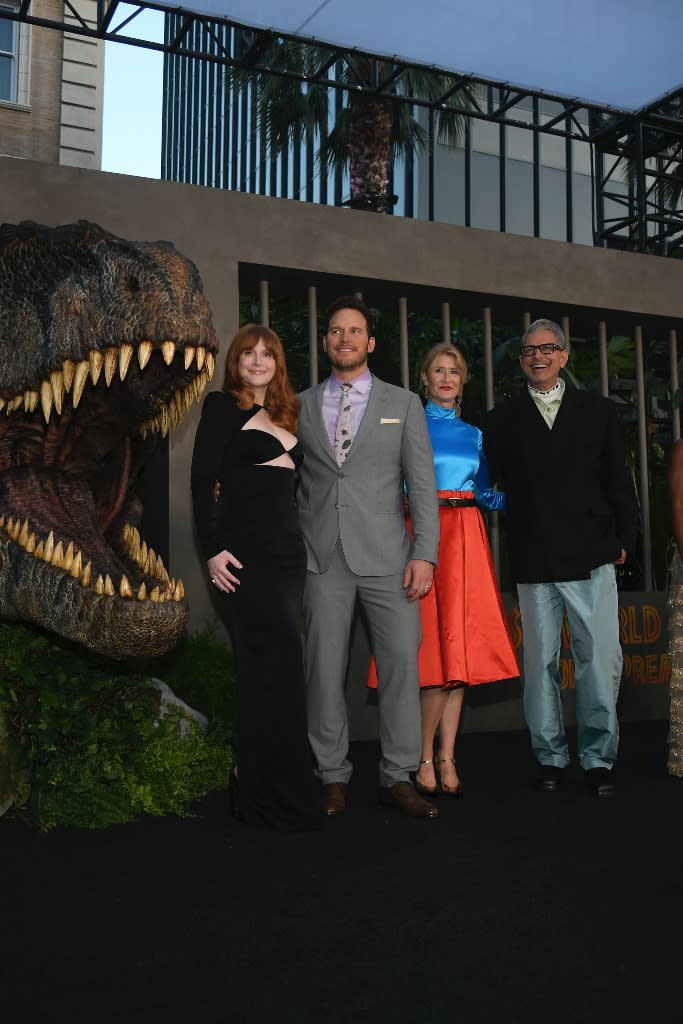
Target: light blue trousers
(592, 614)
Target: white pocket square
(386, 419)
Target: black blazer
(571, 505)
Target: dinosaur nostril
(134, 283)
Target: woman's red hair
(281, 402)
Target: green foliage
(86, 744)
(201, 671)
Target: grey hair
(545, 325)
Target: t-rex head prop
(104, 343)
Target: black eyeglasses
(545, 350)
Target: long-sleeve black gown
(249, 509)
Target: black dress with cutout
(249, 509)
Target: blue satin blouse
(459, 461)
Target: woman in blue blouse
(465, 639)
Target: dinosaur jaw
(69, 450)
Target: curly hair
(281, 403)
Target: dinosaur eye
(134, 283)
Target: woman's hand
(220, 573)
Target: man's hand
(417, 579)
(622, 559)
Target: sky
(133, 82)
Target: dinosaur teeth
(68, 370)
(69, 558)
(23, 534)
(111, 359)
(49, 547)
(2, 404)
(58, 556)
(189, 355)
(46, 399)
(125, 356)
(168, 351)
(145, 349)
(80, 376)
(96, 360)
(210, 364)
(30, 400)
(57, 385)
(201, 356)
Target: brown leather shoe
(403, 797)
(333, 799)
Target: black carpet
(513, 906)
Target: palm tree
(372, 128)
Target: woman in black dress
(243, 468)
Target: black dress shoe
(550, 779)
(600, 781)
(403, 796)
(333, 799)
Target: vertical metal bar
(604, 369)
(502, 176)
(599, 198)
(296, 170)
(490, 396)
(253, 138)
(234, 140)
(641, 199)
(264, 302)
(310, 166)
(338, 108)
(312, 335)
(284, 174)
(244, 140)
(526, 321)
(489, 387)
(403, 326)
(409, 183)
(673, 376)
(468, 173)
(569, 180)
(537, 171)
(431, 164)
(445, 322)
(564, 323)
(644, 488)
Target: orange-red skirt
(465, 637)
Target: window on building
(9, 56)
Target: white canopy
(620, 53)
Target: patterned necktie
(342, 434)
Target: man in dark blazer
(362, 438)
(572, 515)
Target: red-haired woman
(243, 466)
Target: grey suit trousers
(394, 623)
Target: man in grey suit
(362, 438)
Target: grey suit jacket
(362, 502)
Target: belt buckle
(454, 502)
